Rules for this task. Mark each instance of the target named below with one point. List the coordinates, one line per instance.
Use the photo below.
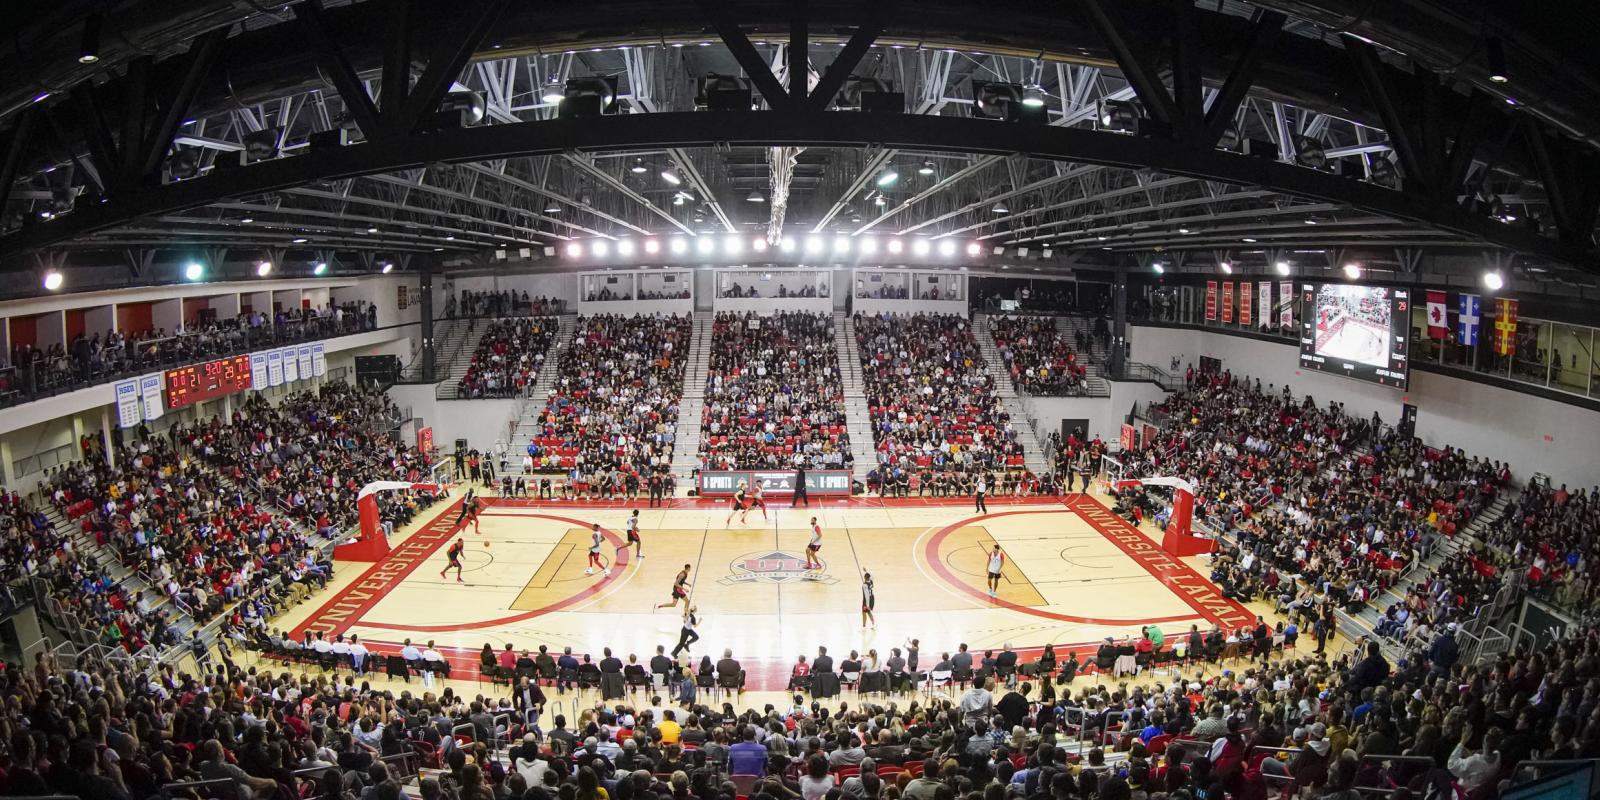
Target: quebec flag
(1467, 323)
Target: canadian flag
(1438, 324)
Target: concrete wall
(1105, 414)
(480, 422)
(1531, 433)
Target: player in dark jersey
(680, 589)
(454, 555)
(470, 506)
(869, 600)
(739, 503)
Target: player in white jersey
(633, 536)
(594, 553)
(814, 548)
(997, 562)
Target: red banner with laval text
(1227, 301)
(1211, 301)
(1128, 434)
(1246, 294)
(425, 439)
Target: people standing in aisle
(983, 487)
(800, 495)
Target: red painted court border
(930, 553)
(1165, 576)
(424, 551)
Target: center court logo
(773, 566)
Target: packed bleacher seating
(931, 400)
(773, 397)
(90, 359)
(1551, 533)
(1040, 359)
(1314, 493)
(312, 453)
(508, 357)
(1291, 723)
(612, 412)
(503, 303)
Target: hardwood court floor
(1074, 574)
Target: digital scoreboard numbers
(213, 379)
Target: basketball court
(1075, 573)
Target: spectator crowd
(508, 357)
(610, 419)
(773, 396)
(931, 399)
(1040, 359)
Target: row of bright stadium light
(734, 245)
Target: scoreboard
(200, 382)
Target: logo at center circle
(774, 566)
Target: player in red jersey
(455, 559)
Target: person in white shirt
(321, 645)
(358, 654)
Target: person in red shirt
(508, 658)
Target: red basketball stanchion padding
(1178, 539)
(370, 544)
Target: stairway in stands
(1094, 360)
(149, 596)
(691, 409)
(453, 354)
(858, 419)
(1033, 454)
(531, 408)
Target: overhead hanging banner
(1227, 301)
(258, 370)
(1286, 305)
(1211, 301)
(1264, 308)
(150, 396)
(291, 366)
(1246, 295)
(319, 359)
(275, 368)
(129, 414)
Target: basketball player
(466, 506)
(454, 555)
(756, 500)
(594, 553)
(633, 536)
(680, 589)
(997, 562)
(739, 498)
(869, 600)
(471, 507)
(813, 560)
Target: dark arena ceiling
(1421, 137)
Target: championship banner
(129, 412)
(1505, 326)
(1128, 436)
(778, 483)
(1264, 308)
(1286, 304)
(150, 395)
(1227, 301)
(1246, 295)
(1211, 301)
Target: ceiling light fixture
(638, 167)
(1227, 267)
(1282, 267)
(671, 177)
(53, 280)
(193, 271)
(388, 267)
(927, 168)
(263, 269)
(888, 177)
(755, 197)
(1352, 271)
(1000, 208)
(319, 268)
(1493, 280)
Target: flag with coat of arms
(1467, 323)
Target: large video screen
(1356, 331)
